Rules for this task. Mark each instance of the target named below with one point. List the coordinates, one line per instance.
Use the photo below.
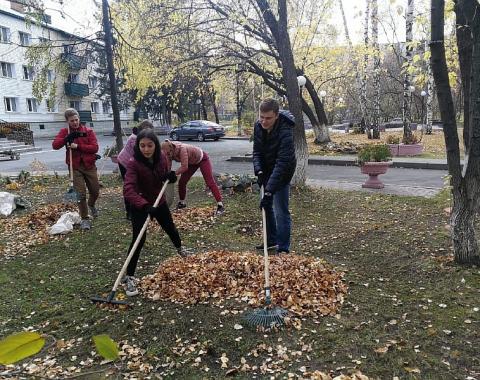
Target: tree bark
(117, 124)
(376, 72)
(279, 30)
(466, 187)
(320, 123)
(430, 92)
(407, 95)
(365, 116)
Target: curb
(346, 161)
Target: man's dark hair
(268, 105)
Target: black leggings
(164, 218)
(123, 171)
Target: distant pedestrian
(192, 158)
(82, 141)
(274, 164)
(126, 154)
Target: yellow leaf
(19, 346)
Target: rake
(111, 297)
(268, 316)
(72, 195)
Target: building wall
(44, 123)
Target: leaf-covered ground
(433, 145)
(409, 311)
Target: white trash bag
(7, 203)
(65, 223)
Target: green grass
(394, 251)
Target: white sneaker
(131, 286)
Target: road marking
(37, 152)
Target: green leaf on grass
(106, 347)
(19, 346)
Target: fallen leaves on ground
(303, 285)
(21, 233)
(194, 218)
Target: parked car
(197, 129)
(394, 123)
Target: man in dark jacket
(274, 164)
(83, 144)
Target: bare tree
(407, 93)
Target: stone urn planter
(374, 169)
(374, 159)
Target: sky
(78, 17)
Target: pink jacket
(127, 152)
(185, 154)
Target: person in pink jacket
(126, 154)
(191, 158)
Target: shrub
(110, 151)
(374, 153)
(393, 139)
(413, 139)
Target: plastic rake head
(267, 317)
(71, 196)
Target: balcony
(74, 62)
(76, 89)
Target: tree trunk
(365, 116)
(376, 72)
(319, 125)
(465, 189)
(239, 105)
(117, 124)
(407, 95)
(279, 30)
(213, 99)
(430, 92)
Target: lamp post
(198, 102)
(423, 94)
(301, 80)
(322, 94)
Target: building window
(43, 40)
(75, 104)
(32, 105)
(25, 39)
(49, 76)
(105, 107)
(92, 82)
(72, 78)
(10, 105)
(28, 72)
(94, 107)
(50, 106)
(41, 126)
(67, 49)
(6, 69)
(4, 34)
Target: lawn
(409, 312)
(433, 145)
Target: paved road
(397, 181)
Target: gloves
(171, 176)
(260, 178)
(73, 135)
(267, 201)
(152, 211)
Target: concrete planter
(405, 149)
(374, 169)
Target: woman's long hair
(137, 154)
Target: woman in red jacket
(191, 158)
(83, 143)
(145, 175)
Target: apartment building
(77, 87)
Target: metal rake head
(267, 317)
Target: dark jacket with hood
(274, 152)
(144, 179)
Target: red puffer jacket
(86, 149)
(144, 181)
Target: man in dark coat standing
(274, 164)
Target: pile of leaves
(303, 285)
(19, 234)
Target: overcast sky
(77, 17)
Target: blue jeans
(279, 222)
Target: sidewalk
(398, 162)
